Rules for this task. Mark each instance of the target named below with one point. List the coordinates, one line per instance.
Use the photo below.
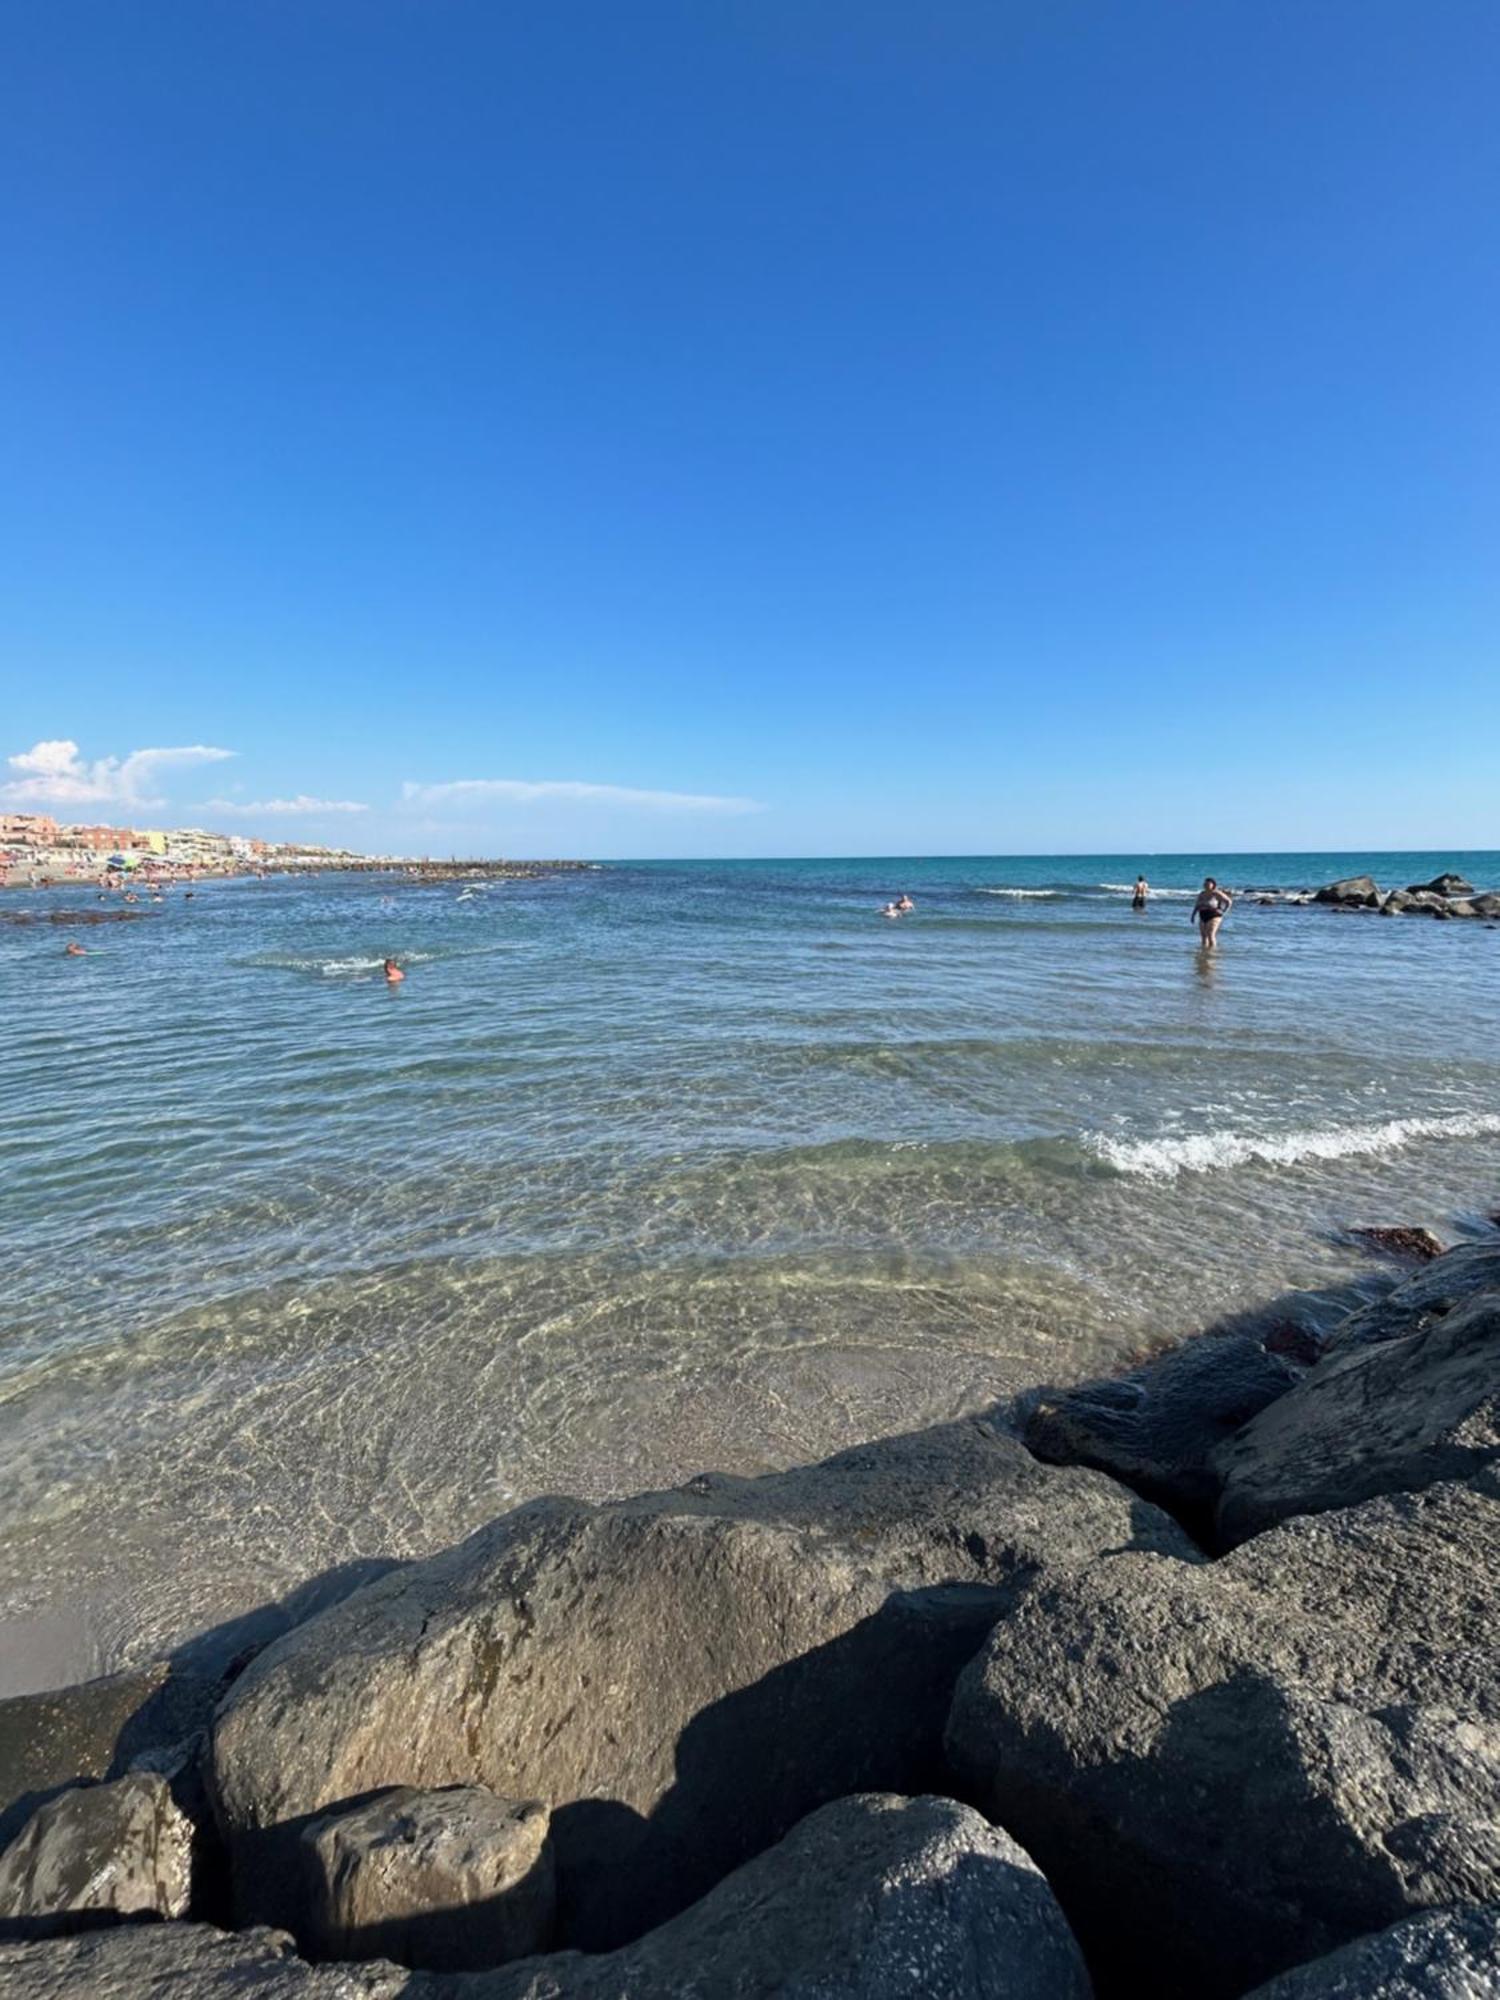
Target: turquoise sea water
(652, 1168)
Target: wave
(1020, 892)
(335, 968)
(1210, 1152)
(1126, 888)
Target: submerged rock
(1369, 1419)
(1444, 1955)
(681, 1677)
(1225, 1770)
(190, 1961)
(452, 1879)
(868, 1899)
(97, 1853)
(1401, 1241)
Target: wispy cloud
(282, 808)
(53, 773)
(519, 791)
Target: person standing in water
(1210, 910)
(393, 973)
(1141, 891)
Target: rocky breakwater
(1444, 896)
(934, 1717)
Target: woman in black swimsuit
(1211, 908)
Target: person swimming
(393, 973)
(72, 950)
(891, 910)
(904, 903)
(1212, 906)
(1141, 892)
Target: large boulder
(868, 1899)
(681, 1676)
(1451, 1280)
(1225, 1770)
(1444, 1955)
(1370, 1419)
(187, 1962)
(97, 1853)
(92, 1731)
(453, 1879)
(1354, 892)
(1157, 1427)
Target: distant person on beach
(393, 973)
(1141, 892)
(1210, 910)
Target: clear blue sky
(957, 427)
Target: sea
(658, 1167)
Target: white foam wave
(1020, 892)
(1127, 888)
(1210, 1152)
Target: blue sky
(799, 426)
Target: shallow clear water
(649, 1169)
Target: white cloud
(53, 773)
(247, 808)
(518, 791)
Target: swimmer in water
(904, 903)
(72, 950)
(1141, 892)
(393, 973)
(1209, 911)
(891, 910)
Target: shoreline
(1240, 1506)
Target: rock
(97, 1853)
(1401, 1241)
(1227, 1769)
(1445, 1955)
(1487, 905)
(48, 1741)
(1441, 886)
(454, 1880)
(1447, 1281)
(1294, 1342)
(1353, 892)
(681, 1676)
(869, 1899)
(187, 1962)
(1370, 1419)
(1157, 1427)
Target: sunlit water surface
(650, 1169)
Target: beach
(648, 1169)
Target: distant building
(28, 830)
(101, 839)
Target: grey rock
(1157, 1427)
(451, 1879)
(1441, 886)
(48, 1741)
(97, 1852)
(1458, 1275)
(681, 1676)
(1400, 1240)
(868, 1899)
(1225, 1770)
(1445, 1955)
(1370, 1419)
(1487, 905)
(185, 1962)
(1353, 892)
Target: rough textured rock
(872, 1898)
(1370, 1419)
(186, 1962)
(1487, 905)
(1401, 1241)
(1157, 1427)
(1445, 1955)
(1415, 902)
(48, 1741)
(1226, 1770)
(1353, 892)
(681, 1676)
(452, 1879)
(1458, 1275)
(97, 1852)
